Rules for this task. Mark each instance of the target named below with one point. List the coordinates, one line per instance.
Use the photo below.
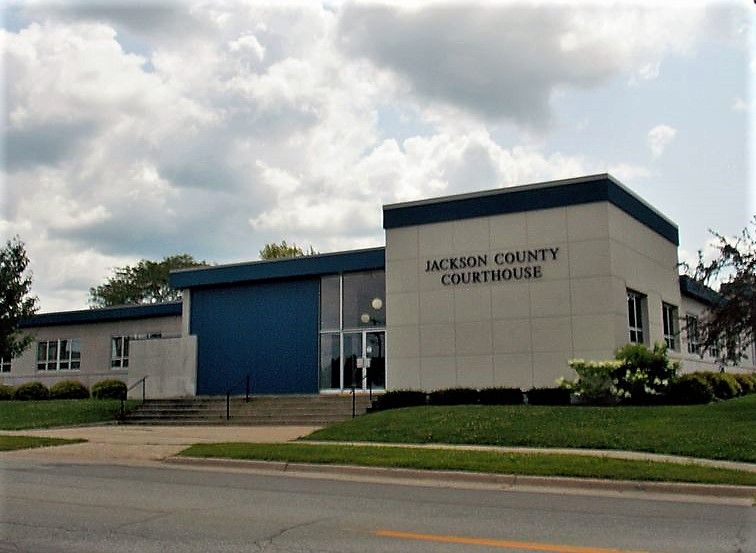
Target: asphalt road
(50, 506)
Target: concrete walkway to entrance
(144, 444)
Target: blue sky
(144, 129)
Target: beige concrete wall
(169, 365)
(520, 332)
(95, 350)
(647, 263)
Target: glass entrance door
(375, 354)
(364, 360)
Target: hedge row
(468, 396)
(704, 387)
(110, 388)
(687, 389)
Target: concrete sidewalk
(144, 444)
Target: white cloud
(506, 60)
(659, 138)
(148, 129)
(629, 172)
(741, 105)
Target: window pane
(52, 351)
(75, 349)
(330, 361)
(125, 346)
(65, 351)
(115, 347)
(364, 299)
(330, 303)
(41, 351)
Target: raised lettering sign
(505, 266)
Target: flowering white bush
(636, 374)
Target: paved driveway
(145, 444)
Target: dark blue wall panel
(269, 329)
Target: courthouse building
(496, 288)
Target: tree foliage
(15, 301)
(144, 283)
(275, 250)
(729, 324)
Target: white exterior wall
(692, 362)
(95, 340)
(521, 333)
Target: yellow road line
(531, 546)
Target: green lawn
(10, 443)
(476, 461)
(23, 415)
(723, 430)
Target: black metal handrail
(141, 381)
(231, 389)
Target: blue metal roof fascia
(562, 193)
(91, 316)
(292, 267)
(693, 289)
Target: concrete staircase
(291, 410)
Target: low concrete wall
(169, 364)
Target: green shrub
(501, 396)
(110, 388)
(548, 396)
(643, 373)
(725, 385)
(454, 396)
(596, 381)
(690, 389)
(6, 392)
(31, 391)
(69, 389)
(399, 398)
(747, 383)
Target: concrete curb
(507, 480)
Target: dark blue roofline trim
(561, 193)
(293, 267)
(694, 289)
(91, 316)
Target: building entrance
(364, 360)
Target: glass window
(58, 355)
(5, 365)
(691, 327)
(41, 356)
(119, 352)
(330, 360)
(635, 316)
(330, 303)
(364, 300)
(352, 306)
(669, 322)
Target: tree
(729, 324)
(278, 251)
(15, 301)
(146, 282)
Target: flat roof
(694, 289)
(545, 195)
(105, 314)
(288, 267)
